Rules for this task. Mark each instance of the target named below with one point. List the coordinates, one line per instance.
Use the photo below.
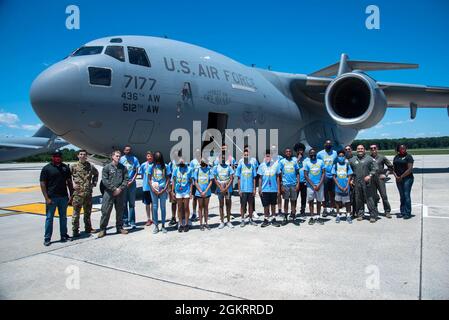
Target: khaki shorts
(315, 195)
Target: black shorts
(146, 198)
(245, 198)
(193, 188)
(200, 197)
(269, 198)
(329, 185)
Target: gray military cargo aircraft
(136, 90)
(44, 140)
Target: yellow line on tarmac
(19, 189)
(39, 208)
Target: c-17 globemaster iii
(139, 90)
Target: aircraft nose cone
(55, 93)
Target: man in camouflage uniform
(85, 177)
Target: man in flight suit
(85, 177)
(379, 179)
(115, 181)
(364, 168)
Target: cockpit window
(138, 56)
(87, 51)
(100, 76)
(116, 52)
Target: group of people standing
(329, 180)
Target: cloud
(12, 121)
(9, 119)
(31, 127)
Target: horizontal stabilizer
(345, 65)
(18, 145)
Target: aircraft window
(87, 51)
(138, 56)
(100, 76)
(116, 52)
(116, 40)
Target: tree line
(411, 143)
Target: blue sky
(291, 36)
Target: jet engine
(355, 100)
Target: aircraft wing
(400, 95)
(18, 145)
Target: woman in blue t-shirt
(203, 179)
(182, 188)
(159, 176)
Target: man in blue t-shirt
(289, 183)
(194, 165)
(145, 169)
(246, 173)
(224, 176)
(314, 173)
(132, 165)
(269, 188)
(328, 156)
(342, 172)
(300, 158)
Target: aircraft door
(142, 131)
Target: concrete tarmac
(391, 259)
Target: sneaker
(360, 217)
(163, 230)
(172, 221)
(133, 227)
(186, 228)
(155, 229)
(47, 243)
(408, 216)
(229, 224)
(265, 223)
(252, 223)
(242, 224)
(320, 221)
(194, 217)
(333, 212)
(65, 238)
(372, 220)
(101, 234)
(202, 228)
(91, 230)
(255, 215)
(221, 226)
(399, 216)
(337, 220)
(149, 223)
(274, 223)
(285, 221)
(349, 219)
(388, 215)
(292, 216)
(302, 212)
(325, 213)
(207, 227)
(122, 231)
(75, 234)
(126, 225)
(180, 229)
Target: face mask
(341, 159)
(57, 160)
(327, 147)
(182, 165)
(203, 165)
(245, 160)
(313, 157)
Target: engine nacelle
(355, 100)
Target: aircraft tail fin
(345, 65)
(44, 132)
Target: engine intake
(355, 100)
